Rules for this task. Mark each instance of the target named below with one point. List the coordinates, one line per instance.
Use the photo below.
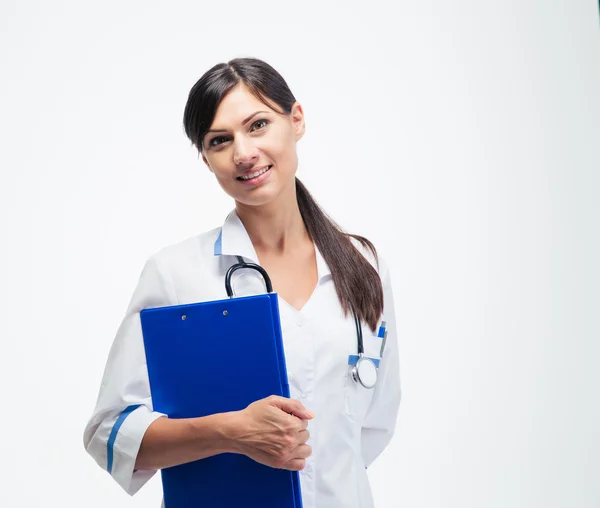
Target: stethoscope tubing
(269, 286)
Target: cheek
(225, 179)
(283, 150)
(218, 165)
(221, 172)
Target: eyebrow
(244, 122)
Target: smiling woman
(252, 152)
(332, 287)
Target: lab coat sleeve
(381, 417)
(123, 409)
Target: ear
(206, 162)
(297, 116)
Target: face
(251, 148)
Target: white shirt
(352, 425)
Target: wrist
(228, 429)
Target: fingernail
(310, 413)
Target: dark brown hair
(357, 283)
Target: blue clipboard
(213, 357)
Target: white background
(462, 137)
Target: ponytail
(356, 282)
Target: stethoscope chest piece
(365, 372)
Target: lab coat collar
(233, 240)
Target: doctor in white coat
(245, 122)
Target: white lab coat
(352, 425)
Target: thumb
(292, 406)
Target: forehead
(237, 105)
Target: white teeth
(254, 175)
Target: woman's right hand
(272, 431)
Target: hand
(272, 431)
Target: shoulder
(184, 271)
(192, 248)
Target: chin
(270, 191)
(256, 198)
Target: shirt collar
(233, 240)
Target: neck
(276, 227)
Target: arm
(380, 421)
(265, 431)
(170, 442)
(131, 441)
(124, 409)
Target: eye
(260, 123)
(216, 141)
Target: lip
(254, 170)
(259, 179)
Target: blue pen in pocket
(381, 331)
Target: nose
(245, 153)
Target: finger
(295, 465)
(291, 406)
(302, 451)
(304, 436)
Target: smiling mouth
(253, 175)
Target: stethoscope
(364, 372)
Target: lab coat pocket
(357, 397)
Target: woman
(245, 122)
